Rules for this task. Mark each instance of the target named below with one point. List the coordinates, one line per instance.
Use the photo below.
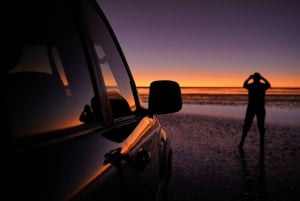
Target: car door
(138, 131)
(58, 148)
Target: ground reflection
(254, 187)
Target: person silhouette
(87, 115)
(256, 106)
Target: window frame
(96, 73)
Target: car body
(75, 128)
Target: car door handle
(115, 157)
(142, 158)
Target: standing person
(256, 106)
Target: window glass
(115, 75)
(48, 78)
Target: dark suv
(74, 125)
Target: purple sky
(215, 43)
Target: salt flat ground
(208, 165)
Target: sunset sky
(208, 43)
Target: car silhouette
(74, 125)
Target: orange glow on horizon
(209, 80)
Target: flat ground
(209, 166)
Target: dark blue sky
(208, 43)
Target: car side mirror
(164, 97)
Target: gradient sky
(208, 43)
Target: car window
(49, 86)
(111, 65)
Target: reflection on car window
(33, 59)
(115, 75)
(61, 71)
(48, 78)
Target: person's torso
(256, 95)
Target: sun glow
(208, 79)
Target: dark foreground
(208, 165)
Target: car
(75, 127)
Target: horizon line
(290, 87)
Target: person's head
(256, 77)
(87, 108)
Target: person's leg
(261, 127)
(247, 124)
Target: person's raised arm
(268, 85)
(247, 80)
